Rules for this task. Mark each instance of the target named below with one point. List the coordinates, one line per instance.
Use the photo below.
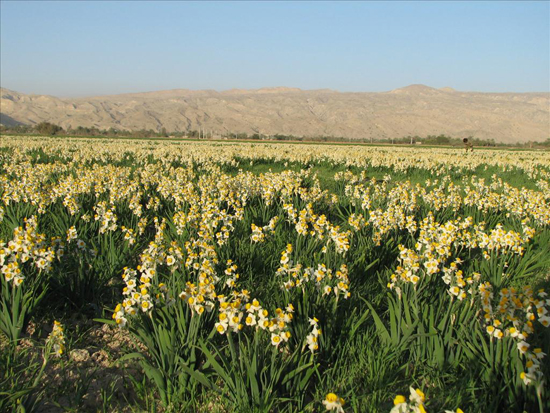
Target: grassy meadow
(171, 276)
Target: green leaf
(381, 329)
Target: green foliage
(47, 128)
(17, 305)
(171, 336)
(256, 376)
(21, 378)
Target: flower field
(262, 277)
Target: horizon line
(274, 89)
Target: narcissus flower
(333, 402)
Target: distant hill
(413, 110)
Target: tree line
(51, 129)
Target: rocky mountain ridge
(413, 110)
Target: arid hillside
(412, 110)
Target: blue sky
(97, 47)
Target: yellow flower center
(398, 399)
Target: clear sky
(96, 47)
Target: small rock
(80, 355)
(31, 328)
(101, 358)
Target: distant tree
(47, 128)
(437, 140)
(16, 129)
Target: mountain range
(413, 110)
